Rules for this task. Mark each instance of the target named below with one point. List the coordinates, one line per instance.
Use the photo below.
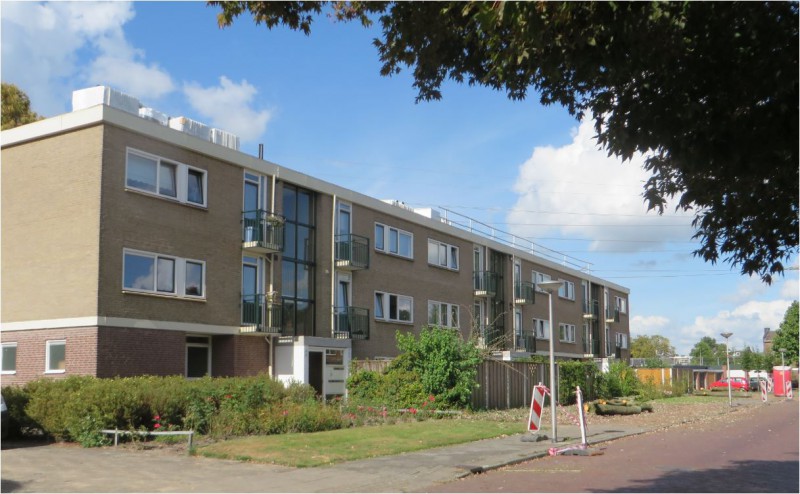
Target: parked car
(736, 383)
(753, 383)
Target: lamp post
(783, 364)
(728, 363)
(550, 287)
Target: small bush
(620, 380)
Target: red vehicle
(736, 383)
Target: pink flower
(157, 426)
(431, 398)
(413, 411)
(424, 404)
(157, 418)
(285, 413)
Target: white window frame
(2, 353)
(385, 300)
(181, 179)
(539, 277)
(541, 328)
(622, 341)
(386, 246)
(179, 275)
(621, 304)
(566, 333)
(451, 254)
(448, 310)
(48, 345)
(566, 290)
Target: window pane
(141, 172)
(454, 316)
(405, 244)
(393, 241)
(166, 275)
(304, 208)
(305, 249)
(194, 278)
(195, 193)
(249, 280)
(290, 240)
(139, 272)
(289, 203)
(454, 257)
(305, 319)
(433, 313)
(166, 180)
(303, 281)
(57, 356)
(287, 279)
(443, 315)
(442, 255)
(379, 306)
(393, 307)
(433, 252)
(379, 237)
(404, 308)
(9, 358)
(196, 361)
(288, 316)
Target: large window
(442, 254)
(395, 308)
(566, 333)
(442, 314)
(147, 272)
(391, 240)
(567, 290)
(9, 358)
(542, 329)
(622, 340)
(55, 356)
(155, 175)
(621, 305)
(298, 262)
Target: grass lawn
(324, 448)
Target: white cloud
(749, 289)
(230, 107)
(790, 288)
(648, 325)
(596, 197)
(41, 43)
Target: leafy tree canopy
(787, 336)
(707, 91)
(16, 107)
(708, 350)
(652, 347)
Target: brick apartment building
(161, 249)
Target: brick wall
(130, 352)
(81, 348)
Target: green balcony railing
(492, 337)
(525, 342)
(351, 323)
(591, 309)
(612, 315)
(591, 347)
(352, 251)
(524, 293)
(485, 283)
(261, 316)
(262, 231)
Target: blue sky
(320, 106)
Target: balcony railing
(262, 231)
(351, 323)
(612, 315)
(491, 337)
(261, 316)
(485, 283)
(352, 252)
(591, 309)
(525, 342)
(524, 293)
(591, 347)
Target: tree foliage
(787, 336)
(16, 107)
(707, 91)
(651, 347)
(708, 350)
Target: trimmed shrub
(576, 373)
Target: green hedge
(77, 408)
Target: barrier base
(532, 438)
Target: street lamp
(728, 364)
(782, 350)
(550, 287)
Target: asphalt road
(735, 455)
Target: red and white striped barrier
(764, 392)
(537, 403)
(789, 393)
(581, 448)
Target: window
(393, 241)
(149, 173)
(609, 349)
(442, 254)
(55, 356)
(567, 290)
(538, 278)
(542, 329)
(164, 275)
(566, 333)
(298, 264)
(198, 356)
(9, 358)
(621, 304)
(622, 340)
(442, 314)
(391, 307)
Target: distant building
(767, 339)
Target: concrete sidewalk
(70, 468)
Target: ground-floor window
(198, 356)
(9, 358)
(55, 356)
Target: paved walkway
(70, 468)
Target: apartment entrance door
(315, 371)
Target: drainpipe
(333, 263)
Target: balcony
(525, 342)
(591, 347)
(262, 232)
(524, 293)
(352, 252)
(485, 283)
(259, 316)
(490, 337)
(351, 323)
(612, 315)
(591, 309)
